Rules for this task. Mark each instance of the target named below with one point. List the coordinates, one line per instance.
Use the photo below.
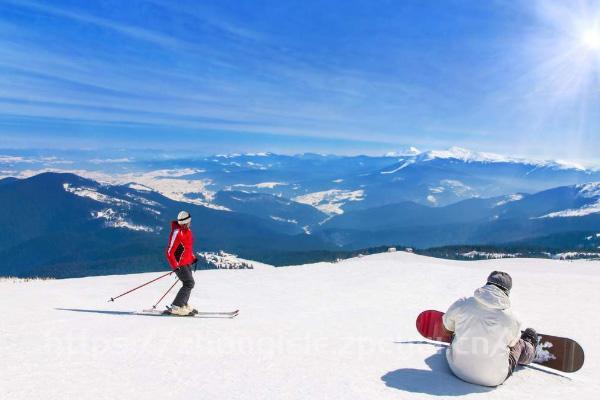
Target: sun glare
(566, 51)
(591, 39)
(561, 57)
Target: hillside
(333, 184)
(503, 219)
(322, 331)
(63, 225)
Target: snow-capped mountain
(588, 202)
(293, 217)
(503, 219)
(264, 205)
(65, 225)
(439, 178)
(336, 184)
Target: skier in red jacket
(180, 254)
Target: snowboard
(559, 353)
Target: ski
(200, 314)
(196, 312)
(235, 312)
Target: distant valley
(94, 218)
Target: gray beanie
(500, 279)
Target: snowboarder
(180, 254)
(487, 342)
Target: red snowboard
(554, 352)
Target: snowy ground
(322, 331)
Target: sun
(590, 39)
(561, 60)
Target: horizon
(345, 78)
(53, 157)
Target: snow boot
(530, 335)
(176, 310)
(191, 310)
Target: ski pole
(147, 283)
(167, 292)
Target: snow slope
(321, 331)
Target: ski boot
(191, 310)
(530, 336)
(176, 310)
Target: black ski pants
(185, 276)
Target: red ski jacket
(181, 246)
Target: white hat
(184, 217)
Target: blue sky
(348, 77)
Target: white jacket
(484, 328)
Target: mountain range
(335, 184)
(95, 221)
(63, 225)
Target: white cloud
(14, 160)
(111, 160)
(32, 160)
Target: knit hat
(500, 279)
(184, 217)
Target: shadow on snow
(438, 381)
(133, 313)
